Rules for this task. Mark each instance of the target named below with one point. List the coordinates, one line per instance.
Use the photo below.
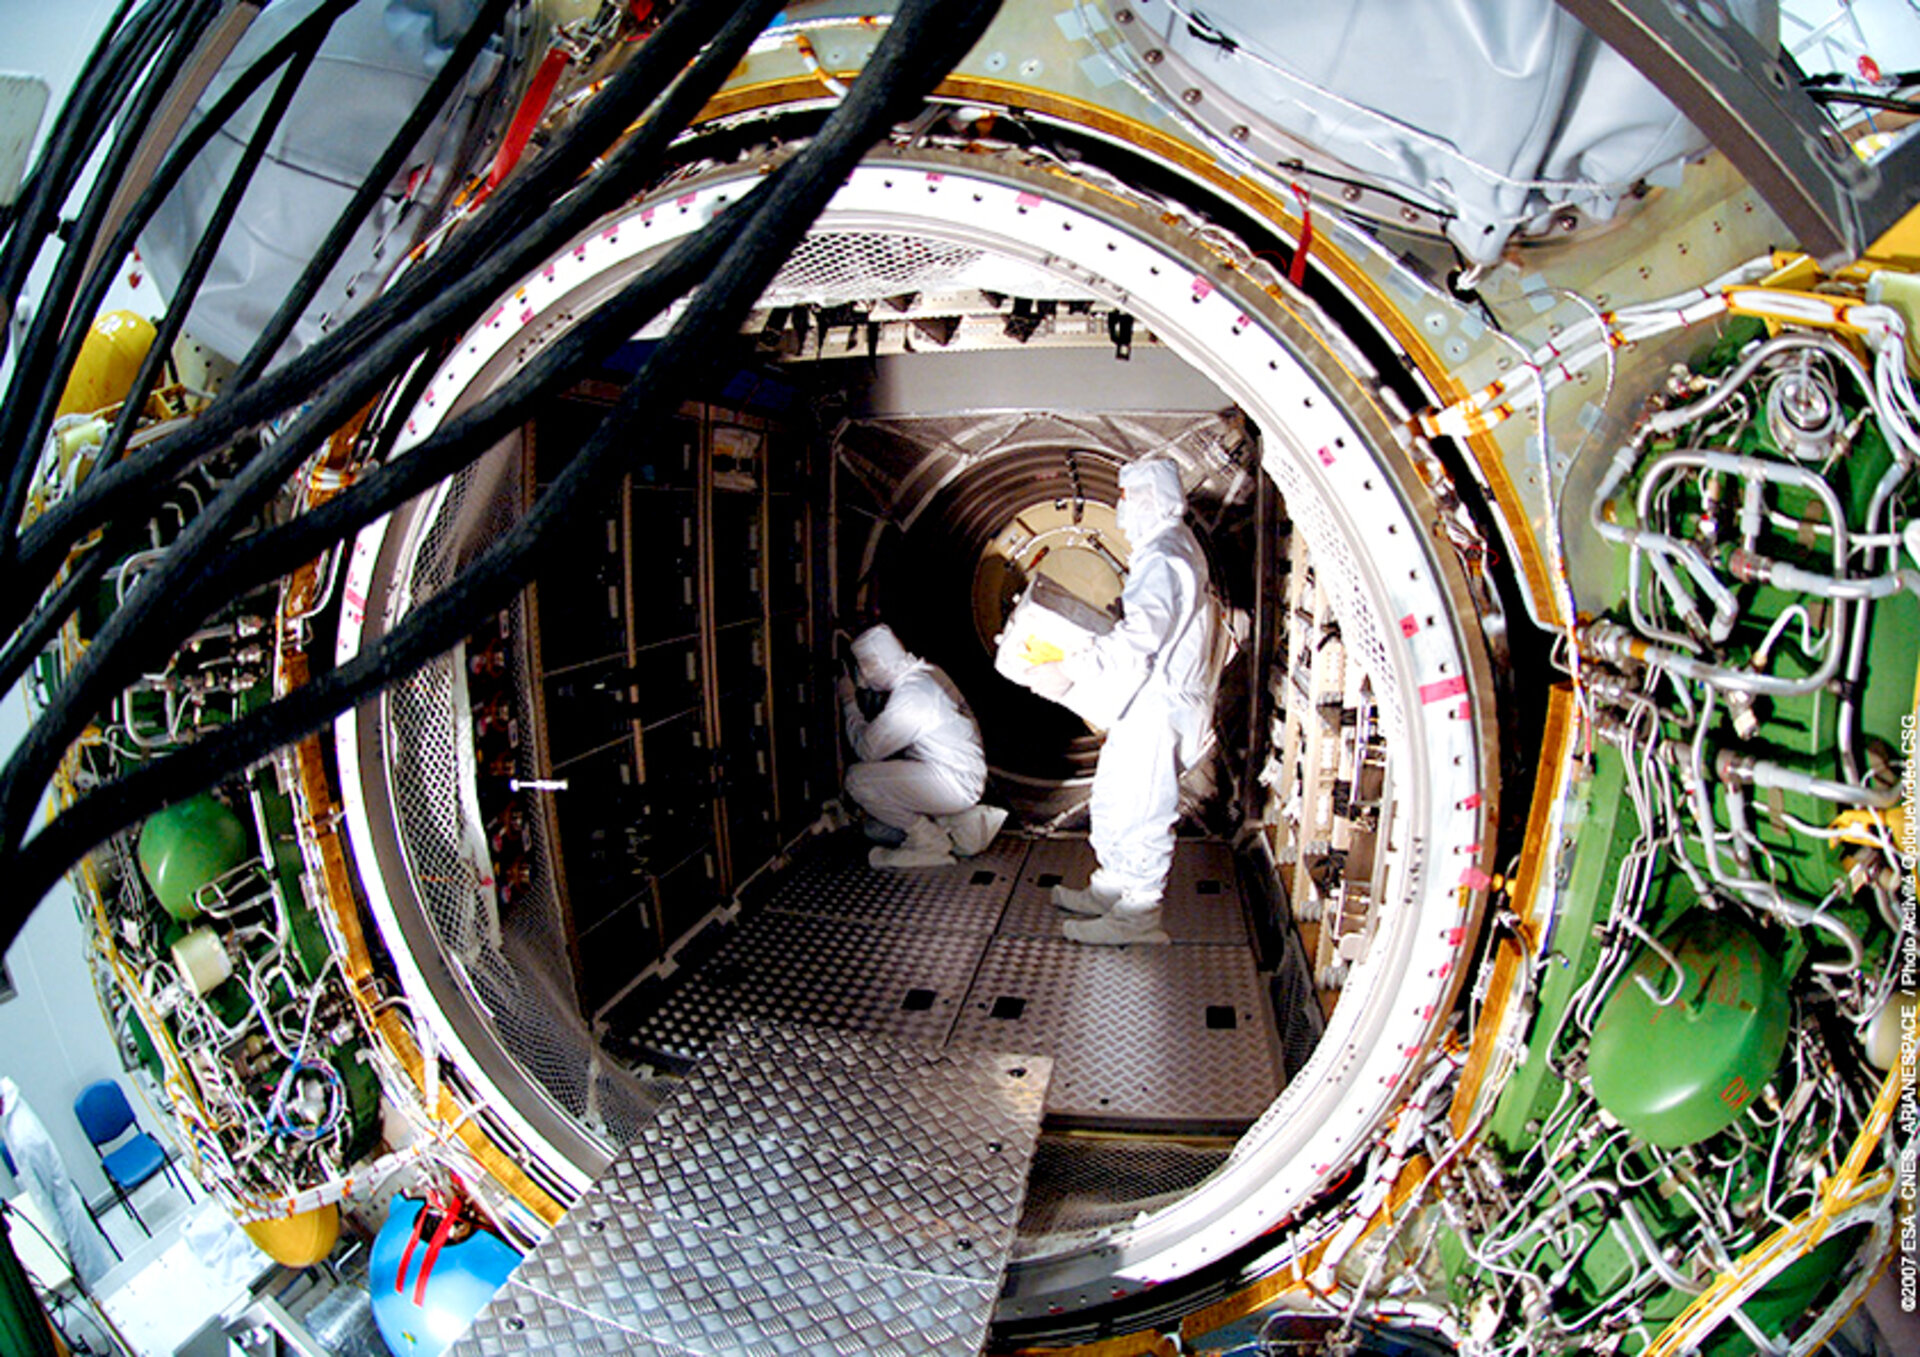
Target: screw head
(1240, 132)
(1351, 193)
(1153, 56)
(1191, 95)
(1123, 16)
(1408, 214)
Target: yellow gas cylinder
(110, 358)
(297, 1241)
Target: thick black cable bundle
(733, 260)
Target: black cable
(480, 32)
(1866, 100)
(1896, 79)
(391, 414)
(446, 292)
(57, 171)
(39, 631)
(914, 54)
(295, 52)
(187, 289)
(686, 98)
(32, 414)
(268, 555)
(627, 164)
(141, 632)
(31, 370)
(51, 178)
(265, 556)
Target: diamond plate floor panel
(926, 1104)
(833, 879)
(1176, 1035)
(754, 1217)
(1202, 902)
(820, 971)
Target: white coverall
(921, 756)
(44, 1175)
(1157, 664)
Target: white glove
(1049, 680)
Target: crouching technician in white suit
(1156, 668)
(921, 768)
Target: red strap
(527, 117)
(433, 1251)
(1297, 270)
(406, 1259)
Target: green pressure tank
(1677, 1073)
(187, 845)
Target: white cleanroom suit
(44, 1175)
(921, 768)
(1156, 664)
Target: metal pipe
(1649, 1249)
(1665, 954)
(1666, 421)
(1746, 770)
(1614, 643)
(1645, 539)
(1857, 642)
(1764, 570)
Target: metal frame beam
(1749, 103)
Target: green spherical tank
(187, 845)
(1677, 1073)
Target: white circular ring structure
(1349, 489)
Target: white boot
(1125, 923)
(927, 845)
(1092, 902)
(972, 830)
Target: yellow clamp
(1862, 827)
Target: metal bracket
(1750, 104)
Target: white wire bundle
(1560, 360)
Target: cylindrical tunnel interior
(914, 448)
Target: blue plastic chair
(104, 1115)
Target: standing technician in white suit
(1155, 667)
(922, 768)
(43, 1174)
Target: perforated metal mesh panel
(835, 265)
(832, 267)
(1296, 1006)
(1333, 561)
(1085, 1186)
(514, 963)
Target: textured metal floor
(804, 1191)
(1175, 1039)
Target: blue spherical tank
(421, 1321)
